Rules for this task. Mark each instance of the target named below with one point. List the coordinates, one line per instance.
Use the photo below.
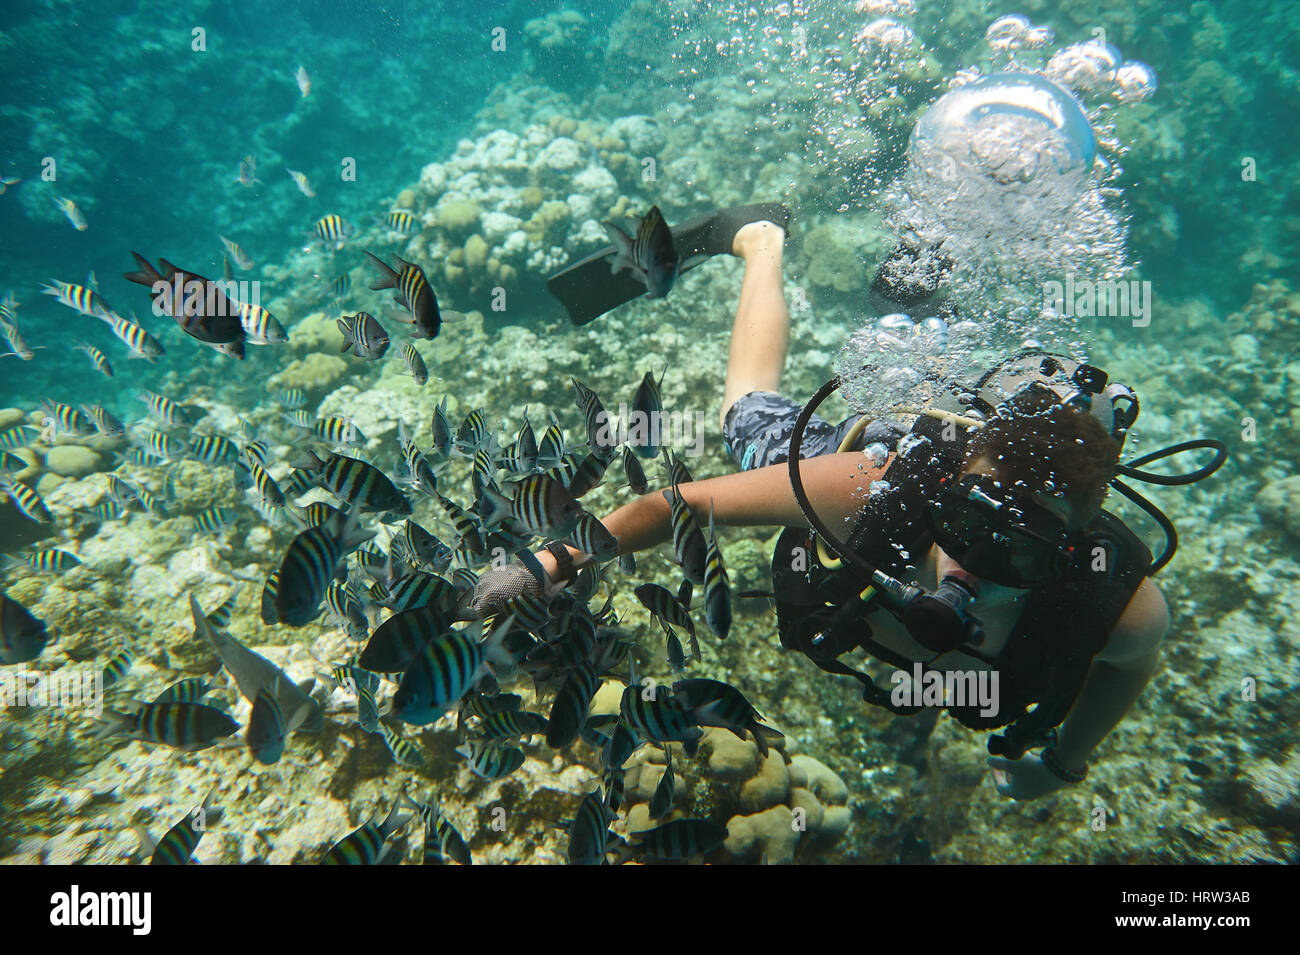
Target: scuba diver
(973, 544)
(987, 549)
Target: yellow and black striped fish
(51, 560)
(97, 359)
(333, 228)
(399, 220)
(337, 430)
(413, 291)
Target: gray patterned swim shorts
(758, 426)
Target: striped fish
(270, 615)
(19, 436)
(717, 590)
(688, 541)
(165, 410)
(661, 802)
(338, 430)
(52, 560)
(589, 834)
(212, 519)
(413, 590)
(399, 220)
(162, 447)
(353, 678)
(676, 469)
(345, 607)
(105, 423)
(341, 285)
(135, 337)
(569, 711)
(118, 666)
(440, 674)
(26, 500)
(317, 513)
(586, 475)
(412, 291)
(473, 433)
(415, 366)
(666, 608)
(356, 482)
(249, 472)
(77, 297)
(301, 418)
(219, 619)
(615, 781)
(398, 640)
(98, 360)
(191, 690)
(658, 717)
(441, 840)
(260, 326)
(258, 451)
(512, 724)
(592, 537)
(104, 511)
(122, 492)
(186, 726)
(442, 437)
(69, 209)
(551, 448)
(635, 473)
(466, 527)
(490, 761)
(714, 703)
(299, 483)
(304, 185)
(213, 449)
(333, 229)
(308, 566)
(17, 347)
(63, 419)
(177, 846)
(419, 473)
(649, 256)
(600, 439)
(363, 335)
(541, 505)
(242, 258)
(404, 752)
(681, 839)
(150, 503)
(364, 846)
(293, 398)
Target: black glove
(497, 586)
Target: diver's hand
(1024, 778)
(497, 586)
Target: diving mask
(1006, 537)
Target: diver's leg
(761, 331)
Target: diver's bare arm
(835, 483)
(1116, 678)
